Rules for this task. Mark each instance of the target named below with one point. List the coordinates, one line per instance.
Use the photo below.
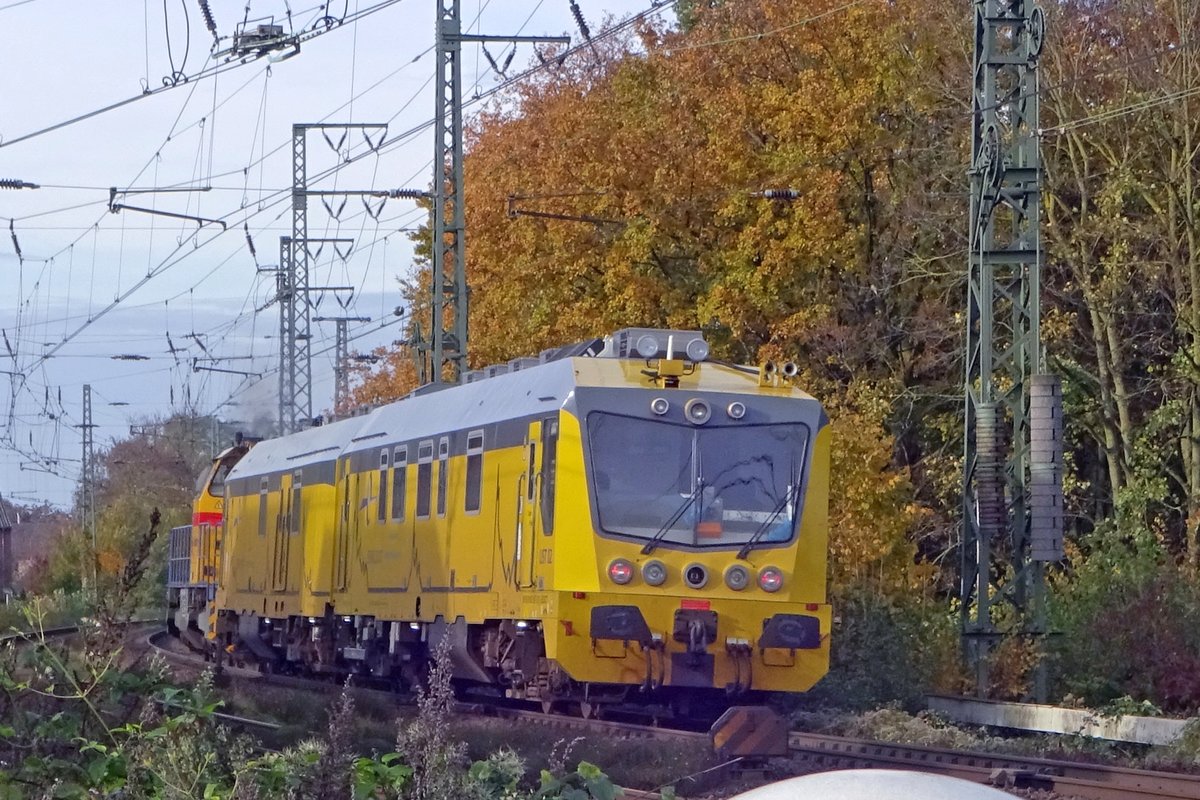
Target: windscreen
(697, 486)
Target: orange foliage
(654, 147)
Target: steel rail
(34, 636)
(1089, 781)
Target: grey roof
(513, 395)
(300, 449)
(5, 524)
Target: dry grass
(635, 763)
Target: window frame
(297, 501)
(263, 495)
(425, 478)
(443, 479)
(550, 434)
(399, 482)
(381, 497)
(473, 484)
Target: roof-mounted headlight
(697, 411)
(647, 346)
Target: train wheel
(589, 710)
(547, 706)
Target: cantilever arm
(202, 221)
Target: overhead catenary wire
(203, 239)
(183, 80)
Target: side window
(529, 488)
(346, 490)
(443, 464)
(474, 471)
(382, 504)
(399, 482)
(297, 480)
(262, 507)
(424, 478)
(549, 462)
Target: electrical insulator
(778, 194)
(1045, 468)
(209, 22)
(583, 28)
(990, 449)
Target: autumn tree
(621, 187)
(157, 467)
(1120, 146)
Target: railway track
(43, 634)
(1066, 778)
(1089, 781)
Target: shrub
(1129, 622)
(888, 649)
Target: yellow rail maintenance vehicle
(616, 521)
(193, 553)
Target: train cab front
(196, 551)
(707, 564)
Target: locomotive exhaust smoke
(260, 410)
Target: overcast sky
(90, 285)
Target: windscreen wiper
(662, 532)
(766, 526)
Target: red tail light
(620, 571)
(770, 579)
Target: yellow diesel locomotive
(612, 519)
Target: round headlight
(620, 571)
(770, 579)
(736, 410)
(697, 350)
(654, 572)
(697, 411)
(660, 405)
(695, 576)
(737, 577)
(647, 346)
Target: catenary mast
(1012, 496)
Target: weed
(438, 763)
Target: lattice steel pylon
(1007, 533)
(7, 565)
(341, 360)
(295, 256)
(449, 218)
(449, 268)
(289, 410)
(295, 367)
(87, 493)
